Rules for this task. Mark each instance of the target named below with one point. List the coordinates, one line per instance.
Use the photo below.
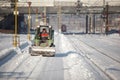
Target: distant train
(63, 28)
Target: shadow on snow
(65, 54)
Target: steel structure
(68, 6)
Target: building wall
(73, 22)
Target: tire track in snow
(18, 60)
(33, 69)
(18, 66)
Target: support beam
(107, 23)
(45, 20)
(15, 41)
(29, 20)
(59, 18)
(93, 23)
(86, 24)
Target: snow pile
(6, 46)
(5, 41)
(6, 52)
(74, 63)
(18, 50)
(114, 35)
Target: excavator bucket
(44, 51)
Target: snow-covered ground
(6, 40)
(102, 51)
(78, 57)
(6, 44)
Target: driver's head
(44, 30)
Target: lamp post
(45, 16)
(15, 42)
(59, 18)
(78, 6)
(29, 17)
(36, 17)
(107, 22)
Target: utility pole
(36, 17)
(45, 21)
(94, 26)
(15, 41)
(59, 19)
(91, 23)
(29, 19)
(86, 23)
(107, 23)
(103, 3)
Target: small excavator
(43, 43)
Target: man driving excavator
(44, 33)
(44, 36)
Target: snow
(4, 41)
(6, 46)
(78, 57)
(106, 64)
(6, 52)
(78, 67)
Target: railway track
(114, 40)
(99, 51)
(82, 53)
